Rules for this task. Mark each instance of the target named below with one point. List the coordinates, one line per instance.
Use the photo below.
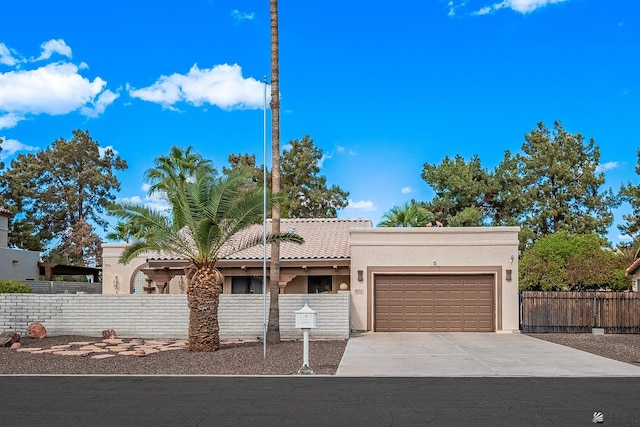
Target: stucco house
(633, 273)
(15, 264)
(400, 279)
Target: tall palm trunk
(273, 330)
(203, 297)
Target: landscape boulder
(109, 334)
(36, 330)
(7, 339)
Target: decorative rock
(16, 345)
(102, 356)
(109, 334)
(29, 349)
(36, 330)
(344, 287)
(61, 346)
(140, 353)
(8, 338)
(71, 353)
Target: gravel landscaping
(246, 358)
(234, 358)
(622, 347)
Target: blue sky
(381, 87)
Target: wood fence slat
(579, 312)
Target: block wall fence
(166, 316)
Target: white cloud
(222, 86)
(324, 157)
(152, 202)
(406, 190)
(54, 46)
(105, 99)
(10, 120)
(102, 150)
(242, 16)
(53, 89)
(485, 10)
(521, 6)
(7, 56)
(603, 167)
(12, 146)
(364, 205)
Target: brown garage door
(434, 303)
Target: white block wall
(166, 316)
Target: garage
(434, 303)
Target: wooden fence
(580, 312)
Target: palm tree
(175, 169)
(211, 218)
(408, 215)
(273, 330)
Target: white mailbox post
(306, 319)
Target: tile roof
(324, 238)
(633, 267)
(5, 212)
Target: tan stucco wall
(112, 268)
(449, 250)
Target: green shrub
(14, 287)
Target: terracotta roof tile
(324, 238)
(633, 267)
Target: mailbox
(306, 318)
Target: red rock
(36, 330)
(8, 338)
(109, 334)
(16, 345)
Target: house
(320, 264)
(399, 279)
(633, 273)
(15, 264)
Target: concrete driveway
(459, 354)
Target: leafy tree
(469, 195)
(561, 185)
(411, 214)
(631, 194)
(207, 214)
(55, 191)
(306, 191)
(565, 262)
(247, 163)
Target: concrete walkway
(425, 354)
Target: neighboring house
(318, 265)
(18, 264)
(633, 273)
(400, 279)
(15, 264)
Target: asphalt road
(315, 401)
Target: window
(318, 284)
(246, 285)
(139, 282)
